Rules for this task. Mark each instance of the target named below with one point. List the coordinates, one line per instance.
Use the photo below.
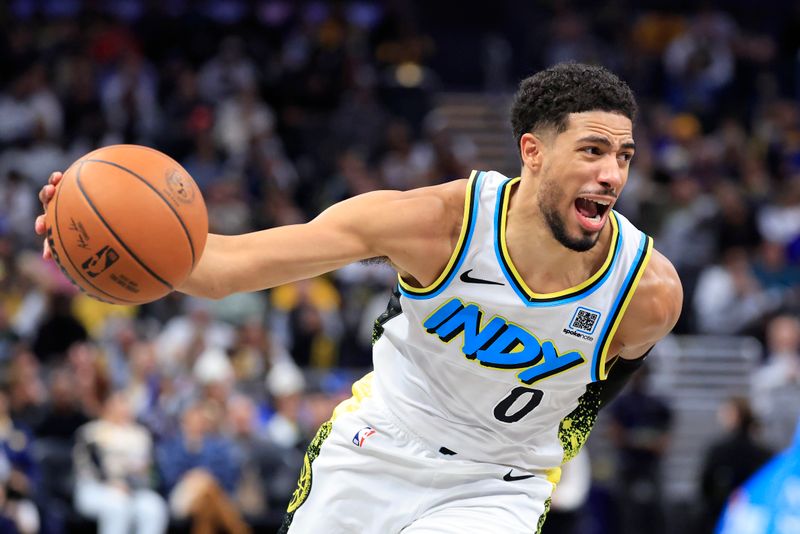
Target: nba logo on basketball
(362, 435)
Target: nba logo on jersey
(362, 435)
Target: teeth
(601, 202)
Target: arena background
(279, 109)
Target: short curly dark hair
(545, 99)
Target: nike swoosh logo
(465, 277)
(509, 478)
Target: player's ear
(531, 149)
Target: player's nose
(610, 174)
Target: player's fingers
(46, 193)
(39, 225)
(46, 254)
(55, 178)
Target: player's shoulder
(431, 207)
(446, 196)
(658, 299)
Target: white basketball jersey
(481, 365)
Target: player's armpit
(654, 309)
(403, 226)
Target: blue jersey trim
(558, 301)
(474, 205)
(613, 311)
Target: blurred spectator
(729, 299)
(241, 119)
(129, 97)
(701, 62)
(403, 162)
(255, 352)
(62, 415)
(205, 163)
(774, 272)
(308, 318)
(227, 211)
(18, 474)
(93, 382)
(776, 386)
(269, 471)
(17, 206)
(228, 72)
(730, 460)
(143, 379)
(84, 122)
(8, 337)
(640, 429)
(200, 472)
(184, 337)
(214, 374)
(26, 392)
(285, 384)
(59, 329)
(113, 473)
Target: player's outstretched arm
(653, 311)
(405, 227)
(414, 229)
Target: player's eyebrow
(603, 140)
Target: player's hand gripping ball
(127, 224)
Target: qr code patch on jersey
(584, 320)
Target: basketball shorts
(366, 474)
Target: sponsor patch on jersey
(583, 323)
(362, 435)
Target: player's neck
(543, 262)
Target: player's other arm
(651, 315)
(653, 311)
(403, 226)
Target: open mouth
(592, 212)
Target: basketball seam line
(66, 253)
(156, 191)
(108, 227)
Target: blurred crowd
(187, 408)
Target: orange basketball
(127, 224)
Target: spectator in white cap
(285, 384)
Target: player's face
(583, 173)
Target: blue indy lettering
(499, 344)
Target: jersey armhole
(471, 203)
(620, 306)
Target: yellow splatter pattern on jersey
(304, 483)
(575, 427)
(543, 516)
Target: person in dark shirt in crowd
(730, 460)
(58, 331)
(62, 415)
(640, 430)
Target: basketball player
(522, 305)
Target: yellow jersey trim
(628, 293)
(467, 223)
(517, 279)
